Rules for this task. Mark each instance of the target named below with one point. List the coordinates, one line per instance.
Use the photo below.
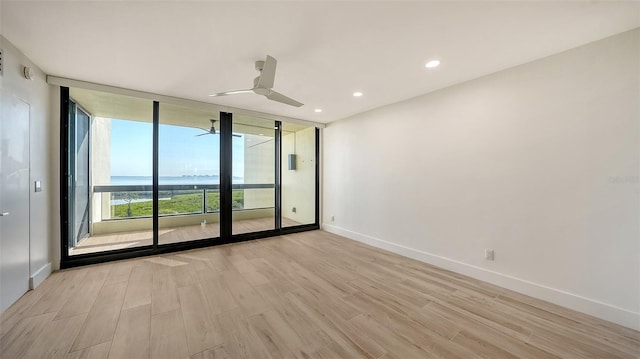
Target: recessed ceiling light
(262, 134)
(357, 94)
(431, 64)
(317, 110)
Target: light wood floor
(308, 295)
(107, 242)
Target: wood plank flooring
(307, 295)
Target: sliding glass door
(111, 169)
(254, 175)
(188, 174)
(299, 161)
(142, 177)
(79, 174)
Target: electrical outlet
(489, 254)
(293, 209)
(333, 218)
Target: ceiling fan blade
(275, 96)
(227, 93)
(209, 133)
(268, 73)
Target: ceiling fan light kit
(263, 84)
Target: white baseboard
(39, 276)
(576, 302)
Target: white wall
(37, 94)
(539, 162)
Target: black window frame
(226, 236)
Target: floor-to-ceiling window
(144, 177)
(299, 163)
(110, 170)
(188, 174)
(254, 175)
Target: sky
(181, 152)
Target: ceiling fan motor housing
(262, 91)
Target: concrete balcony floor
(108, 242)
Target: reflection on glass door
(188, 174)
(254, 173)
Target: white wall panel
(539, 162)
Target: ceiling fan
(212, 130)
(263, 84)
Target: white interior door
(14, 200)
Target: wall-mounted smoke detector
(28, 73)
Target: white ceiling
(325, 50)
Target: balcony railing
(136, 201)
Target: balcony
(122, 214)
